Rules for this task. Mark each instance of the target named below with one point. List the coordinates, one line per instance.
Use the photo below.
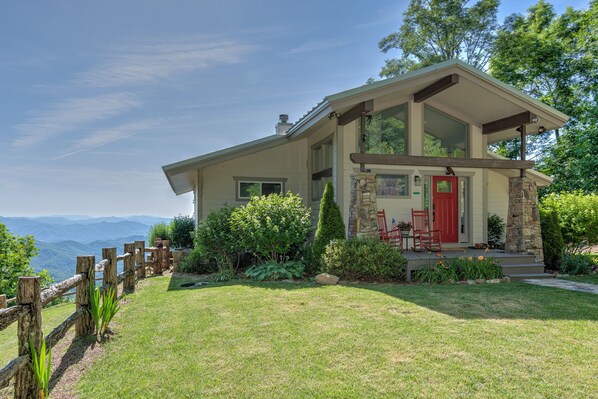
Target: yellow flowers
(470, 258)
(480, 257)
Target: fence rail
(31, 299)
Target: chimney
(283, 124)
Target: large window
(247, 188)
(386, 131)
(444, 136)
(392, 185)
(321, 168)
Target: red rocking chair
(393, 236)
(423, 236)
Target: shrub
(161, 230)
(552, 239)
(276, 271)
(272, 227)
(330, 223)
(578, 264)
(578, 214)
(496, 229)
(196, 262)
(182, 229)
(216, 240)
(363, 258)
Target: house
(425, 146)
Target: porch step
(515, 259)
(519, 277)
(525, 268)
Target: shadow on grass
(513, 300)
(73, 355)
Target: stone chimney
(283, 124)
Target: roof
(540, 178)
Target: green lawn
(277, 340)
(591, 278)
(51, 317)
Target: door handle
(433, 217)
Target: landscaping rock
(506, 279)
(480, 281)
(471, 282)
(325, 278)
(493, 281)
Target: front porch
(515, 266)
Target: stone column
(363, 208)
(524, 235)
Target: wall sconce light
(417, 181)
(541, 129)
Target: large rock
(325, 278)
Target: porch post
(362, 140)
(524, 234)
(363, 207)
(523, 148)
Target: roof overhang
(540, 178)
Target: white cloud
(315, 45)
(150, 63)
(71, 114)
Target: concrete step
(525, 268)
(518, 277)
(515, 259)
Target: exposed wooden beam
(410, 160)
(510, 122)
(355, 112)
(436, 87)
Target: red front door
(445, 207)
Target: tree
(330, 222)
(439, 30)
(15, 257)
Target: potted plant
(404, 227)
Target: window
(444, 136)
(386, 131)
(321, 168)
(250, 188)
(392, 185)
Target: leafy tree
(330, 222)
(161, 230)
(181, 231)
(439, 30)
(215, 239)
(15, 257)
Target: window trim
(238, 180)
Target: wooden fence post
(109, 276)
(140, 258)
(30, 328)
(85, 265)
(158, 261)
(166, 255)
(129, 267)
(2, 301)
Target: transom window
(386, 131)
(392, 185)
(251, 188)
(444, 136)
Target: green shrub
(196, 262)
(452, 270)
(363, 258)
(161, 230)
(272, 227)
(276, 271)
(578, 214)
(216, 240)
(330, 223)
(496, 229)
(182, 229)
(573, 264)
(552, 239)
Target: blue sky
(98, 95)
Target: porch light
(541, 129)
(417, 181)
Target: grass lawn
(277, 340)
(51, 317)
(591, 278)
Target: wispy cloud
(71, 114)
(106, 136)
(152, 62)
(315, 45)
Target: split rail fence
(31, 299)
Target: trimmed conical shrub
(330, 223)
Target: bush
(161, 230)
(276, 271)
(196, 262)
(182, 229)
(552, 239)
(363, 258)
(573, 264)
(272, 227)
(578, 214)
(216, 240)
(496, 229)
(330, 223)
(459, 269)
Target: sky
(96, 96)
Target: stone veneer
(523, 222)
(363, 207)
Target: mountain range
(60, 239)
